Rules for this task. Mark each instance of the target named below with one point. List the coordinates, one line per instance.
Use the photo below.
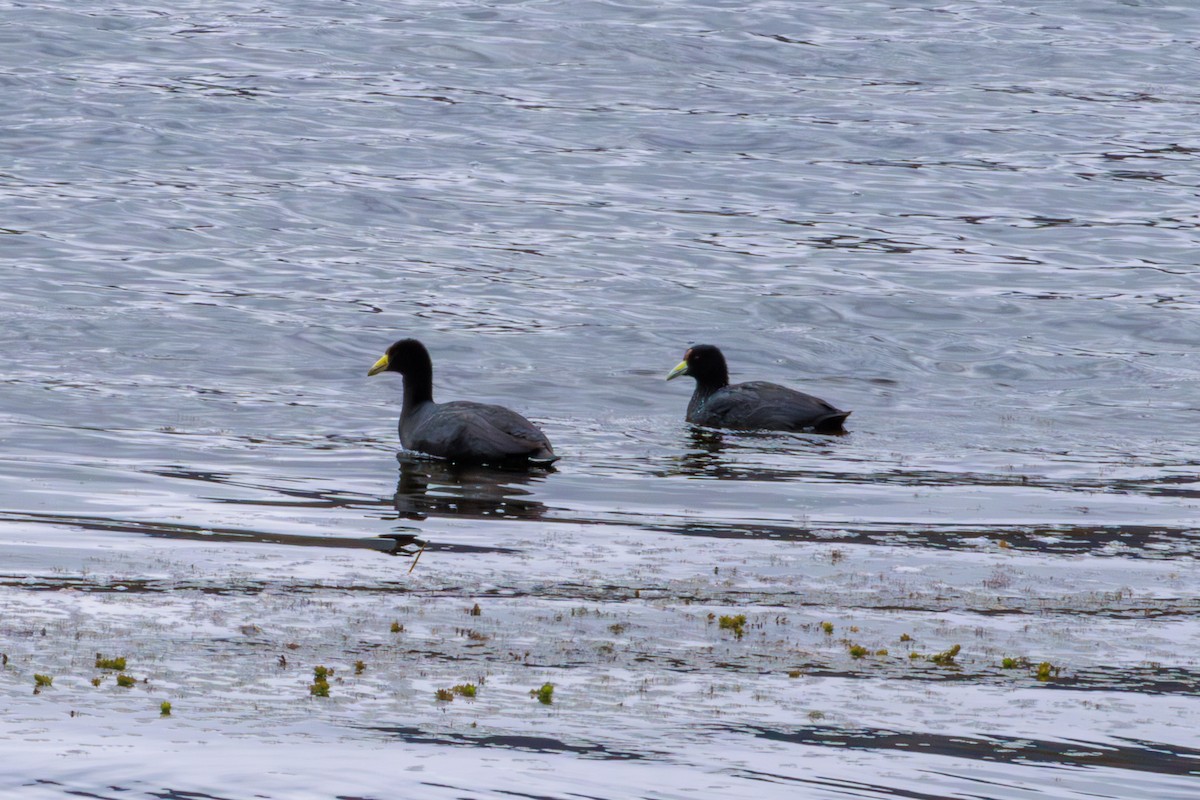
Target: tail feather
(832, 423)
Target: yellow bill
(379, 366)
(680, 369)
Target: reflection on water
(712, 454)
(994, 270)
(438, 488)
(1132, 755)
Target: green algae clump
(737, 624)
(946, 657)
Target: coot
(757, 405)
(462, 431)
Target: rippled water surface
(974, 224)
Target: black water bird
(757, 405)
(462, 431)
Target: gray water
(974, 224)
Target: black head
(407, 356)
(705, 363)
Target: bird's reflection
(704, 457)
(738, 456)
(440, 489)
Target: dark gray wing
(477, 432)
(759, 405)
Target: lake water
(975, 224)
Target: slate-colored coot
(463, 431)
(757, 405)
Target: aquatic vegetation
(946, 657)
(737, 624)
(359, 667)
(97, 681)
(881, 652)
(475, 610)
(904, 637)
(320, 685)
(397, 627)
(1019, 662)
(858, 651)
(617, 628)
(117, 664)
(42, 680)
(444, 695)
(473, 635)
(125, 680)
(914, 655)
(827, 627)
(1046, 671)
(544, 695)
(466, 690)
(794, 673)
(164, 708)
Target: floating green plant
(904, 637)
(466, 690)
(881, 652)
(737, 624)
(444, 695)
(1019, 662)
(42, 680)
(320, 685)
(544, 695)
(96, 681)
(475, 610)
(946, 657)
(397, 627)
(794, 673)
(1046, 671)
(164, 708)
(125, 680)
(359, 667)
(117, 664)
(858, 651)
(827, 627)
(914, 655)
